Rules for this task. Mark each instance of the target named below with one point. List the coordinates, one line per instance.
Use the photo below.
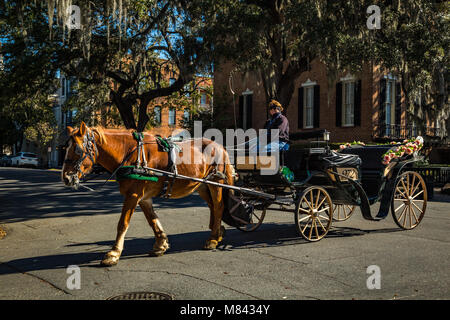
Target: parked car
(25, 159)
(5, 161)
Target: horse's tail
(229, 169)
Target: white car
(24, 159)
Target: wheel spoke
(415, 188)
(304, 210)
(417, 195)
(324, 209)
(404, 218)
(309, 204)
(408, 184)
(404, 188)
(318, 197)
(310, 229)
(326, 218)
(416, 207)
(401, 215)
(306, 225)
(404, 196)
(321, 225)
(415, 217)
(399, 207)
(320, 204)
(307, 217)
(315, 228)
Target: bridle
(88, 149)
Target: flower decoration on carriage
(348, 144)
(407, 148)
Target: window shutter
(357, 110)
(382, 103)
(249, 110)
(316, 107)
(300, 108)
(398, 103)
(339, 104)
(241, 112)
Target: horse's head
(81, 153)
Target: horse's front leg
(161, 241)
(112, 257)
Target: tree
(415, 44)
(126, 45)
(277, 39)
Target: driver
(280, 122)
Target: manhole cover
(142, 296)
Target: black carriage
(320, 186)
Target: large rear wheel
(314, 213)
(410, 200)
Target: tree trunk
(125, 109)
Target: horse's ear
(69, 130)
(83, 129)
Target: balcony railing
(396, 132)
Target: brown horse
(109, 147)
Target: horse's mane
(100, 131)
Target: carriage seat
(343, 160)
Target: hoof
(110, 259)
(211, 245)
(109, 262)
(156, 253)
(160, 247)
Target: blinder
(89, 149)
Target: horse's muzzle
(71, 180)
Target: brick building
(366, 106)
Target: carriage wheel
(314, 213)
(342, 212)
(255, 220)
(410, 200)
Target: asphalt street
(51, 227)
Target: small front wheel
(314, 213)
(342, 212)
(256, 220)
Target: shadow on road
(31, 194)
(269, 235)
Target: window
(63, 87)
(157, 114)
(203, 99)
(171, 81)
(309, 105)
(308, 116)
(348, 105)
(172, 117)
(389, 105)
(245, 109)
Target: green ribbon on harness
(126, 172)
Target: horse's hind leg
(217, 231)
(161, 241)
(112, 257)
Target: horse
(110, 147)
